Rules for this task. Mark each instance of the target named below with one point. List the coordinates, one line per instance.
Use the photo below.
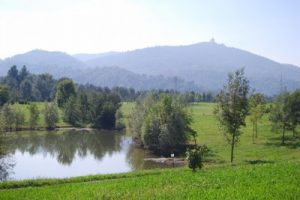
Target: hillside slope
(207, 64)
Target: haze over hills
(207, 64)
(86, 56)
(40, 61)
(201, 66)
(60, 64)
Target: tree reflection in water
(6, 161)
(114, 150)
(65, 145)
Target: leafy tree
(23, 74)
(13, 73)
(34, 115)
(72, 112)
(26, 90)
(84, 107)
(232, 107)
(8, 115)
(119, 122)
(51, 115)
(194, 157)
(293, 110)
(105, 116)
(4, 94)
(257, 110)
(45, 85)
(19, 118)
(64, 90)
(161, 123)
(279, 115)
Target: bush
(195, 157)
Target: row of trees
(14, 118)
(87, 105)
(25, 87)
(129, 94)
(233, 107)
(82, 105)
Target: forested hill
(207, 64)
(61, 65)
(40, 61)
(201, 66)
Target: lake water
(59, 154)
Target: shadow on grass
(255, 162)
(290, 142)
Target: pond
(68, 153)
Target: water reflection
(6, 162)
(68, 153)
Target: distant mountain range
(201, 66)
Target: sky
(270, 28)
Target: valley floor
(265, 169)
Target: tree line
(81, 105)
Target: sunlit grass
(267, 181)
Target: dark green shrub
(195, 157)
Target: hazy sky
(267, 27)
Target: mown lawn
(264, 181)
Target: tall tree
(257, 110)
(72, 112)
(51, 115)
(8, 115)
(23, 74)
(64, 90)
(279, 114)
(232, 107)
(19, 118)
(26, 90)
(292, 108)
(4, 94)
(34, 115)
(84, 107)
(45, 85)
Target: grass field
(264, 170)
(266, 181)
(41, 122)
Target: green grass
(264, 170)
(41, 122)
(267, 181)
(267, 147)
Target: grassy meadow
(264, 170)
(267, 181)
